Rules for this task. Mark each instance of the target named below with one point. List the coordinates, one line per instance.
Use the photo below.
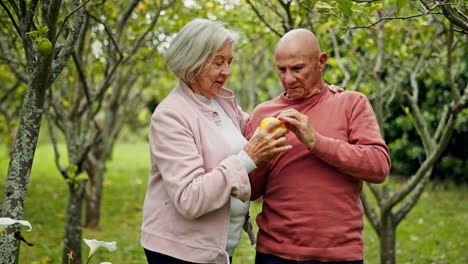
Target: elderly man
(311, 208)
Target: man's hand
(300, 125)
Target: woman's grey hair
(194, 44)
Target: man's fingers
(290, 121)
(279, 132)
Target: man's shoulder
(347, 97)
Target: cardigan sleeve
(365, 156)
(259, 175)
(193, 190)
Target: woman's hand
(335, 89)
(266, 144)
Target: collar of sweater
(310, 100)
(184, 89)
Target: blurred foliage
(254, 78)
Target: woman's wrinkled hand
(265, 144)
(335, 89)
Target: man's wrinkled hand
(300, 125)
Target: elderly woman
(199, 189)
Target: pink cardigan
(192, 178)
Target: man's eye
(297, 68)
(281, 69)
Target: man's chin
(294, 95)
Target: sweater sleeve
(365, 156)
(193, 190)
(257, 176)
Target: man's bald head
(300, 63)
(299, 41)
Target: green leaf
(345, 7)
(323, 5)
(401, 4)
(34, 33)
(82, 177)
(44, 30)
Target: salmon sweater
(311, 197)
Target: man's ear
(323, 58)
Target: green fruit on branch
(44, 47)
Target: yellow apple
(267, 120)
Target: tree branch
(288, 23)
(263, 19)
(390, 18)
(376, 191)
(52, 17)
(11, 17)
(109, 33)
(66, 50)
(425, 166)
(82, 75)
(9, 92)
(53, 139)
(413, 199)
(336, 47)
(148, 29)
(122, 21)
(69, 15)
(441, 125)
(29, 13)
(417, 69)
(449, 13)
(376, 72)
(420, 124)
(365, 1)
(453, 85)
(371, 213)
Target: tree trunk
(73, 232)
(21, 161)
(95, 171)
(387, 240)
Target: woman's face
(214, 73)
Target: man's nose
(289, 77)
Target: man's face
(300, 73)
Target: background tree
(13, 80)
(116, 41)
(38, 28)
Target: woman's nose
(226, 70)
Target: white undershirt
(236, 141)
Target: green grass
(434, 231)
